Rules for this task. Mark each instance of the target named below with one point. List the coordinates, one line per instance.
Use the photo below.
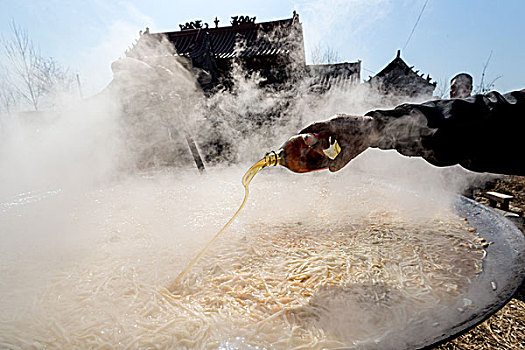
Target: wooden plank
(499, 196)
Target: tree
(8, 96)
(29, 76)
(324, 55)
(484, 86)
(442, 89)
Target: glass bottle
(304, 152)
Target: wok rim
(506, 238)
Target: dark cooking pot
(503, 273)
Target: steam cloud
(110, 179)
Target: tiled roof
(341, 75)
(245, 40)
(398, 75)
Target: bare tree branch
(23, 59)
(443, 89)
(324, 55)
(30, 75)
(8, 96)
(483, 87)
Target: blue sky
(452, 36)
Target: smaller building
(340, 75)
(398, 79)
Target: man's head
(461, 86)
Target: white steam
(100, 201)
(71, 148)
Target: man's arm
(484, 133)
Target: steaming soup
(352, 267)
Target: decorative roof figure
(193, 25)
(240, 20)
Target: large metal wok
(503, 273)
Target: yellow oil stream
(246, 179)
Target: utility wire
(415, 25)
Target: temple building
(273, 49)
(165, 75)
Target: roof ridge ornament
(295, 16)
(240, 20)
(193, 25)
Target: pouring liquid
(246, 179)
(298, 155)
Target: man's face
(460, 88)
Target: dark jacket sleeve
(483, 133)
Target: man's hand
(353, 133)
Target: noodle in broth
(337, 278)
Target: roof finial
(398, 54)
(295, 17)
(216, 22)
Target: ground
(506, 328)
